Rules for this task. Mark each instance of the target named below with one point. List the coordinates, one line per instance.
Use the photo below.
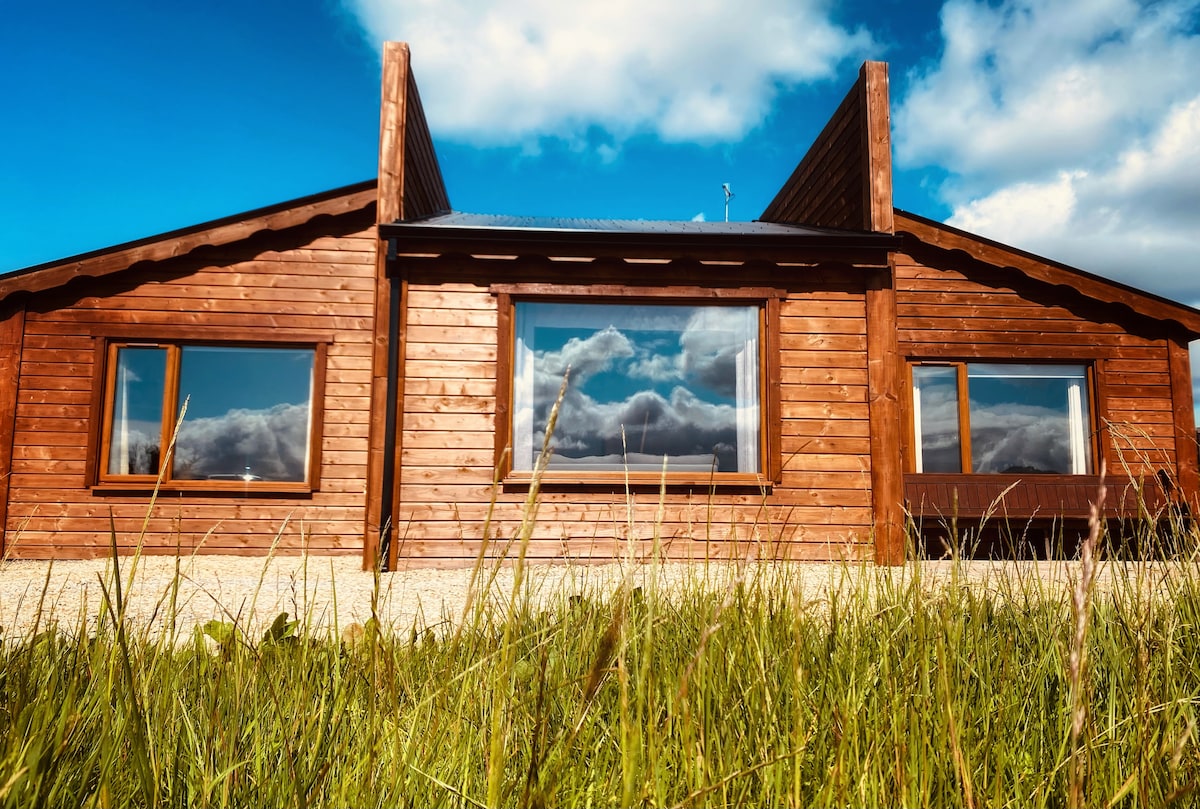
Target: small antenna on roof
(728, 196)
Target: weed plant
(743, 686)
(737, 688)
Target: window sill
(204, 488)
(555, 479)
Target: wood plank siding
(961, 310)
(820, 508)
(412, 313)
(316, 280)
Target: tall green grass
(743, 686)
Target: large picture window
(1001, 418)
(647, 382)
(249, 419)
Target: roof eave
(1105, 290)
(175, 243)
(418, 237)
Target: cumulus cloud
(1020, 438)
(584, 357)
(681, 426)
(514, 71)
(1030, 87)
(1135, 219)
(1069, 128)
(1012, 437)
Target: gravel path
(330, 593)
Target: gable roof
(1104, 290)
(175, 243)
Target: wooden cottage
(367, 371)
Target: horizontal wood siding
(998, 315)
(822, 509)
(293, 280)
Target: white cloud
(270, 443)
(1135, 219)
(1032, 87)
(509, 72)
(1070, 128)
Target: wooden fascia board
(12, 338)
(871, 249)
(393, 122)
(1092, 286)
(877, 148)
(181, 242)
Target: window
(249, 419)
(1001, 418)
(647, 382)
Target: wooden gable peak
(845, 179)
(410, 179)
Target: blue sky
(1070, 128)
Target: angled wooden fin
(845, 179)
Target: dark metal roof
(628, 237)
(562, 224)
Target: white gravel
(331, 593)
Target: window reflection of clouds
(1022, 423)
(1024, 419)
(135, 439)
(668, 375)
(248, 413)
(936, 404)
(264, 444)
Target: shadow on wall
(1169, 534)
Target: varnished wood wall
(297, 279)
(821, 509)
(999, 315)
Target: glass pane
(935, 415)
(680, 381)
(247, 414)
(135, 433)
(1029, 419)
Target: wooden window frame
(964, 415)
(174, 339)
(770, 426)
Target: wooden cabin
(369, 372)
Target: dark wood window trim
(768, 299)
(960, 362)
(174, 338)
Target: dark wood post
(389, 208)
